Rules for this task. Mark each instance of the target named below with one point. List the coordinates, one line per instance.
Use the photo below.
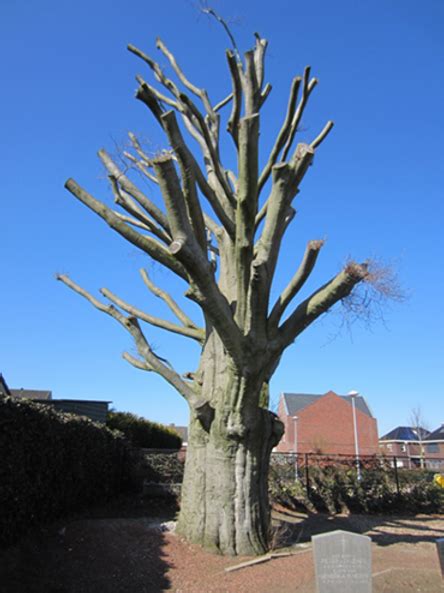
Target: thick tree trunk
(224, 504)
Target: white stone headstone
(343, 562)
(440, 548)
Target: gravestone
(440, 548)
(343, 562)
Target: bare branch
(201, 93)
(188, 332)
(149, 94)
(246, 207)
(132, 221)
(211, 224)
(165, 296)
(144, 163)
(132, 326)
(368, 302)
(250, 85)
(233, 122)
(174, 199)
(204, 289)
(267, 249)
(216, 189)
(212, 187)
(307, 88)
(259, 58)
(283, 133)
(152, 98)
(296, 283)
(217, 199)
(207, 138)
(140, 166)
(233, 180)
(136, 362)
(264, 95)
(302, 159)
(138, 148)
(226, 28)
(127, 203)
(134, 191)
(187, 168)
(155, 249)
(321, 301)
(158, 73)
(280, 198)
(222, 103)
(183, 103)
(326, 130)
(194, 115)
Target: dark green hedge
(337, 489)
(52, 464)
(163, 468)
(143, 433)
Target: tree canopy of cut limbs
(220, 231)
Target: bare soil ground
(117, 549)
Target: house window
(403, 448)
(434, 464)
(432, 448)
(389, 447)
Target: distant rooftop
(39, 394)
(436, 435)
(96, 410)
(298, 401)
(34, 394)
(406, 433)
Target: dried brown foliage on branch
(368, 303)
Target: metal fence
(298, 466)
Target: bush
(424, 497)
(407, 477)
(335, 489)
(143, 433)
(53, 463)
(163, 468)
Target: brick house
(434, 449)
(404, 443)
(325, 424)
(409, 445)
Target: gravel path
(143, 555)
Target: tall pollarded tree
(220, 232)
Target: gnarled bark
(224, 504)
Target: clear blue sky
(376, 188)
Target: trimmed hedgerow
(335, 489)
(163, 468)
(143, 433)
(52, 464)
